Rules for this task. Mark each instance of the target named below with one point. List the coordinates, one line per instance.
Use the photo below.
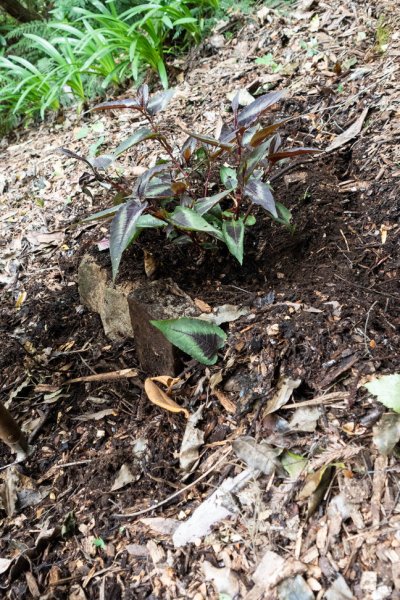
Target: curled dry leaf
(160, 398)
(282, 395)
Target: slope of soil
(322, 309)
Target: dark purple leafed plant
(175, 194)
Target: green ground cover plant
(84, 49)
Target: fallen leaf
(225, 401)
(260, 457)
(224, 314)
(213, 510)
(96, 416)
(224, 580)
(285, 388)
(386, 433)
(161, 525)
(160, 398)
(387, 389)
(203, 306)
(305, 419)
(192, 440)
(349, 133)
(124, 477)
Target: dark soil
(330, 292)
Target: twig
(367, 350)
(175, 494)
(370, 290)
(111, 375)
(332, 397)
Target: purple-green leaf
(143, 180)
(259, 193)
(139, 136)
(189, 220)
(71, 154)
(254, 110)
(264, 133)
(206, 139)
(143, 95)
(291, 153)
(159, 101)
(122, 231)
(233, 232)
(203, 205)
(251, 159)
(188, 148)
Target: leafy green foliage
(200, 339)
(174, 194)
(90, 45)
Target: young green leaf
(103, 214)
(254, 110)
(284, 214)
(122, 231)
(234, 237)
(189, 220)
(259, 193)
(251, 159)
(228, 177)
(200, 339)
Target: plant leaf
(160, 101)
(254, 110)
(103, 214)
(251, 159)
(122, 231)
(198, 338)
(149, 222)
(259, 193)
(143, 180)
(188, 148)
(387, 389)
(139, 136)
(284, 214)
(71, 154)
(160, 398)
(189, 220)
(206, 139)
(234, 237)
(262, 134)
(228, 177)
(274, 157)
(203, 205)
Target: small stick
(332, 397)
(111, 375)
(175, 494)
